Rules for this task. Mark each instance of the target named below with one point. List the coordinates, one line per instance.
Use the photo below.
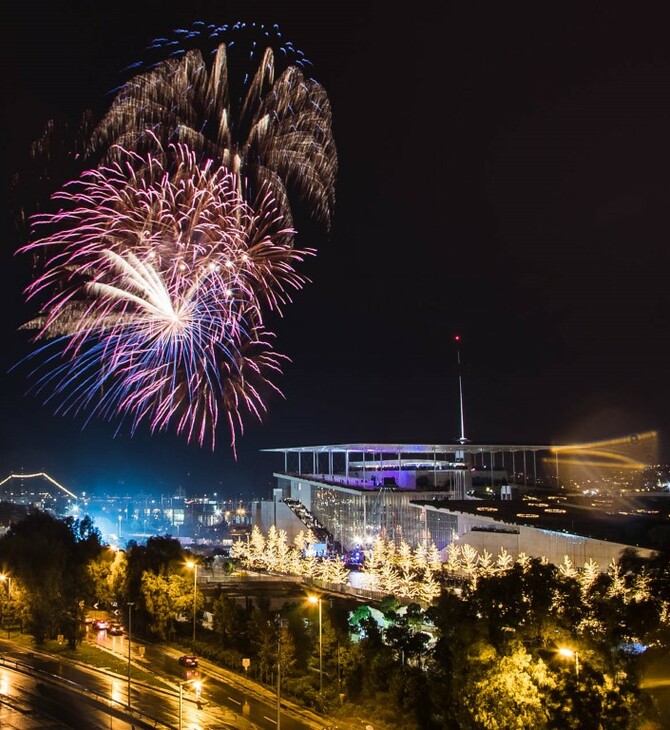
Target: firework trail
(156, 273)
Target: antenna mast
(457, 340)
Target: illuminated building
(358, 491)
(480, 494)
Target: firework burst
(156, 279)
(159, 269)
(275, 135)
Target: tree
(334, 571)
(256, 548)
(409, 643)
(108, 574)
(158, 603)
(51, 558)
(506, 692)
(229, 622)
(161, 556)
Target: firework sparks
(157, 276)
(169, 251)
(277, 136)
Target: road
(224, 703)
(249, 704)
(31, 703)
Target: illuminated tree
(310, 566)
(256, 548)
(452, 564)
(240, 552)
(387, 579)
(617, 585)
(335, 571)
(301, 541)
(506, 692)
(428, 589)
(567, 568)
(405, 561)
(485, 565)
(589, 574)
(469, 563)
(504, 561)
(284, 554)
(272, 549)
(641, 589)
(295, 559)
(523, 560)
(420, 558)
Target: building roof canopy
(376, 448)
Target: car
(100, 625)
(115, 630)
(186, 660)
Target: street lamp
(315, 600)
(130, 626)
(197, 684)
(192, 564)
(280, 624)
(8, 579)
(570, 654)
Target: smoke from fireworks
(156, 274)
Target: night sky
(504, 174)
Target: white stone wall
(537, 543)
(264, 516)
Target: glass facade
(441, 527)
(344, 511)
(357, 516)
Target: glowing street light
(7, 579)
(571, 654)
(315, 600)
(197, 686)
(194, 566)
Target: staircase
(320, 532)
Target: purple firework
(156, 279)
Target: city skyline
(501, 177)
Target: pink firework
(156, 279)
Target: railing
(309, 520)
